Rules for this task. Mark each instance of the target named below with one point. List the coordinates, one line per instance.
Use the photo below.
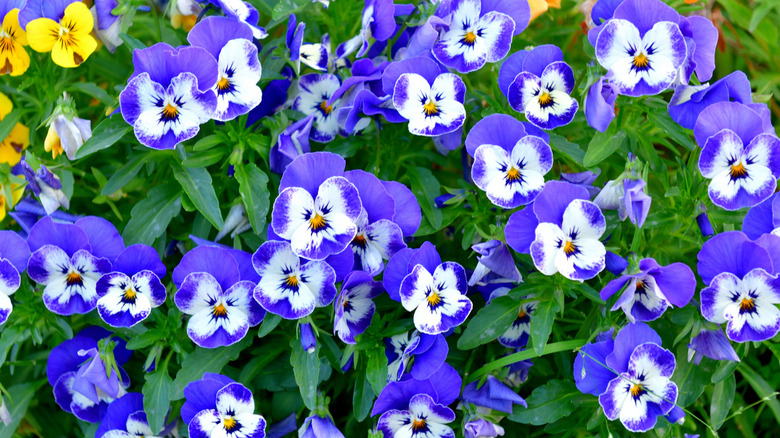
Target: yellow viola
(17, 190)
(12, 146)
(14, 60)
(539, 7)
(69, 41)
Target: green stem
(526, 354)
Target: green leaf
(21, 394)
(124, 175)
(204, 360)
(204, 158)
(131, 43)
(665, 123)
(725, 369)
(91, 89)
(489, 323)
(207, 143)
(602, 146)
(541, 324)
(11, 336)
(758, 14)
(9, 122)
(270, 321)
(691, 379)
(547, 403)
(156, 391)
(362, 397)
(286, 7)
(497, 364)
(762, 388)
(105, 135)
(564, 146)
(722, 397)
(376, 369)
(197, 185)
(253, 186)
(150, 217)
(144, 340)
(426, 188)
(306, 367)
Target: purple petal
(626, 341)
(554, 198)
(644, 14)
(759, 220)
(511, 67)
(423, 66)
(540, 57)
(591, 375)
(732, 252)
(600, 105)
(202, 394)
(163, 63)
(430, 361)
(427, 256)
(520, 229)
(212, 260)
(712, 344)
(677, 283)
(734, 116)
(375, 199)
(137, 258)
(212, 33)
(309, 171)
(397, 268)
(67, 237)
(407, 209)
(496, 129)
(15, 249)
(119, 411)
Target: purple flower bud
(615, 264)
(636, 203)
(482, 429)
(600, 105)
(584, 179)
(442, 199)
(495, 257)
(319, 427)
(46, 186)
(704, 224)
(493, 395)
(308, 339)
(713, 344)
(93, 377)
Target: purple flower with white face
(70, 259)
(234, 415)
(496, 258)
(429, 353)
(423, 417)
(492, 395)
(355, 305)
(132, 288)
(377, 22)
(46, 186)
(600, 104)
(738, 156)
(435, 291)
(107, 25)
(125, 418)
(712, 344)
(648, 293)
(82, 384)
(317, 96)
(14, 255)
(433, 103)
(287, 287)
(230, 43)
(690, 100)
(170, 94)
(761, 219)
(319, 427)
(742, 288)
(212, 290)
(516, 336)
(293, 142)
(642, 46)
(317, 209)
(567, 232)
(443, 386)
(509, 165)
(480, 32)
(243, 12)
(591, 376)
(201, 395)
(538, 83)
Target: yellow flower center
(569, 248)
(73, 278)
(430, 108)
(433, 299)
(170, 112)
(230, 423)
(641, 61)
(360, 240)
(738, 170)
(317, 222)
(545, 99)
(469, 38)
(418, 425)
(219, 310)
(327, 109)
(521, 314)
(129, 295)
(747, 305)
(223, 84)
(292, 281)
(636, 390)
(513, 174)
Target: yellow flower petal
(11, 148)
(78, 19)
(11, 27)
(75, 44)
(5, 106)
(52, 143)
(43, 34)
(538, 7)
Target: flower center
(317, 222)
(292, 281)
(641, 61)
(747, 305)
(433, 299)
(327, 109)
(129, 295)
(219, 310)
(360, 240)
(513, 174)
(569, 248)
(640, 286)
(430, 108)
(418, 425)
(170, 112)
(637, 390)
(469, 38)
(74, 278)
(738, 171)
(223, 84)
(545, 99)
(230, 423)
(521, 314)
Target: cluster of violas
(331, 225)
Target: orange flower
(539, 7)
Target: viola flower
(492, 395)
(433, 104)
(234, 415)
(591, 375)
(429, 353)
(584, 179)
(46, 186)
(480, 32)
(319, 427)
(201, 395)
(17, 141)
(317, 96)
(516, 336)
(378, 238)
(511, 174)
(185, 14)
(443, 386)
(600, 104)
(108, 25)
(355, 306)
(742, 289)
(66, 34)
(132, 288)
(230, 43)
(170, 94)
(14, 255)
(436, 294)
(274, 98)
(494, 258)
(689, 101)
(647, 294)
(243, 12)
(482, 428)
(13, 57)
(125, 418)
(712, 344)
(287, 288)
(377, 22)
(83, 384)
(213, 291)
(741, 160)
(539, 85)
(761, 219)
(292, 143)
(318, 225)
(70, 259)
(642, 46)
(67, 136)
(422, 417)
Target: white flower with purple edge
(288, 288)
(212, 291)
(170, 94)
(125, 418)
(354, 306)
(317, 95)
(14, 255)
(234, 416)
(516, 336)
(433, 105)
(243, 12)
(438, 300)
(239, 68)
(424, 417)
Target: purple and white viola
(14, 255)
(642, 46)
(739, 155)
(377, 22)
(287, 287)
(649, 292)
(233, 415)
(427, 351)
(170, 94)
(516, 336)
(743, 289)
(83, 383)
(217, 294)
(242, 12)
(355, 306)
(761, 219)
(509, 164)
(107, 25)
(315, 55)
(480, 31)
(133, 287)
(495, 264)
(230, 43)
(317, 96)
(317, 208)
(46, 186)
(435, 292)
(713, 344)
(423, 417)
(201, 395)
(539, 84)
(125, 418)
(69, 259)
